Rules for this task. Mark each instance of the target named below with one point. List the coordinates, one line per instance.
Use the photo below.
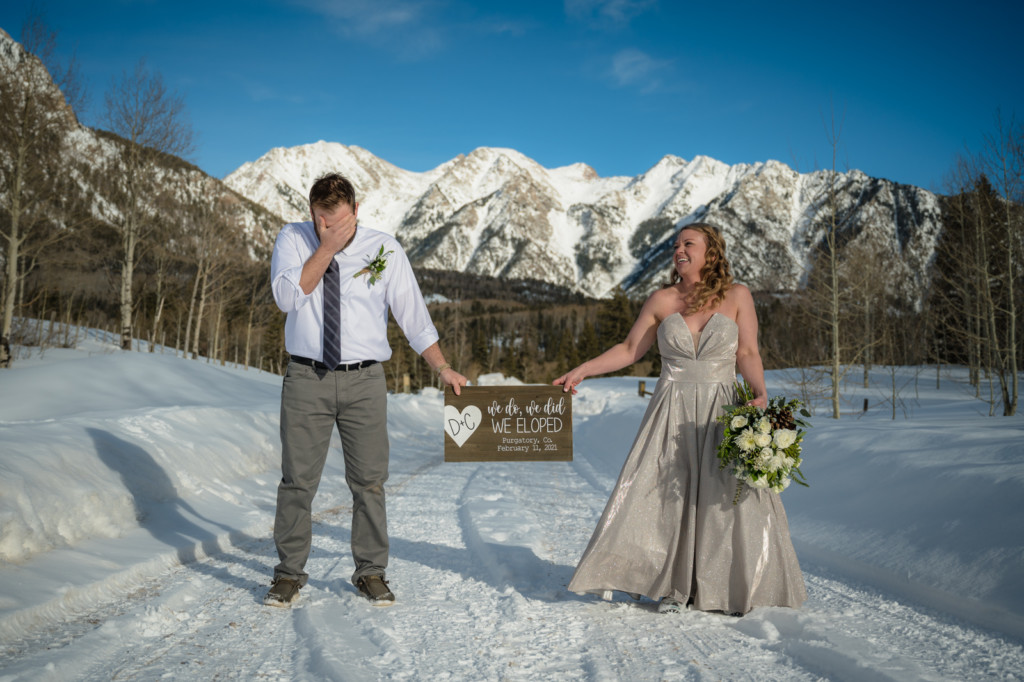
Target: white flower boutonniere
(375, 268)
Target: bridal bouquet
(762, 447)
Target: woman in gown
(670, 530)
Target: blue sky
(616, 84)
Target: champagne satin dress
(670, 528)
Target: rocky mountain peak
(495, 211)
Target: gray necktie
(332, 316)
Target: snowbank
(95, 440)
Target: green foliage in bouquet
(762, 447)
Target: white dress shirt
(364, 306)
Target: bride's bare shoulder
(663, 302)
(737, 293)
(664, 294)
(736, 299)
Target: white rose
(745, 440)
(738, 422)
(763, 440)
(764, 425)
(784, 438)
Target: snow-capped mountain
(281, 178)
(93, 159)
(496, 212)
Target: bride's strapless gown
(670, 528)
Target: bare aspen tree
(988, 282)
(955, 297)
(866, 274)
(34, 121)
(261, 306)
(978, 278)
(163, 258)
(832, 262)
(198, 237)
(211, 236)
(38, 38)
(201, 289)
(1003, 161)
(825, 301)
(152, 123)
(227, 292)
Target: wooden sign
(508, 424)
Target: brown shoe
(375, 588)
(283, 591)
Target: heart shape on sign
(461, 425)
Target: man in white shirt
(335, 377)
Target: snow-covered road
(481, 554)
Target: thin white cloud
(636, 69)
(408, 26)
(368, 17)
(607, 11)
(412, 29)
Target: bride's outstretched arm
(748, 356)
(623, 354)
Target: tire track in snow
(329, 647)
(440, 594)
(522, 509)
(346, 637)
(846, 630)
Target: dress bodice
(709, 359)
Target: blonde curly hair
(715, 276)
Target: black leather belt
(340, 368)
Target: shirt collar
(353, 245)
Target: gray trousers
(313, 402)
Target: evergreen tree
(586, 344)
(615, 318)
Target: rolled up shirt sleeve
(286, 269)
(407, 304)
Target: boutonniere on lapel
(375, 268)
